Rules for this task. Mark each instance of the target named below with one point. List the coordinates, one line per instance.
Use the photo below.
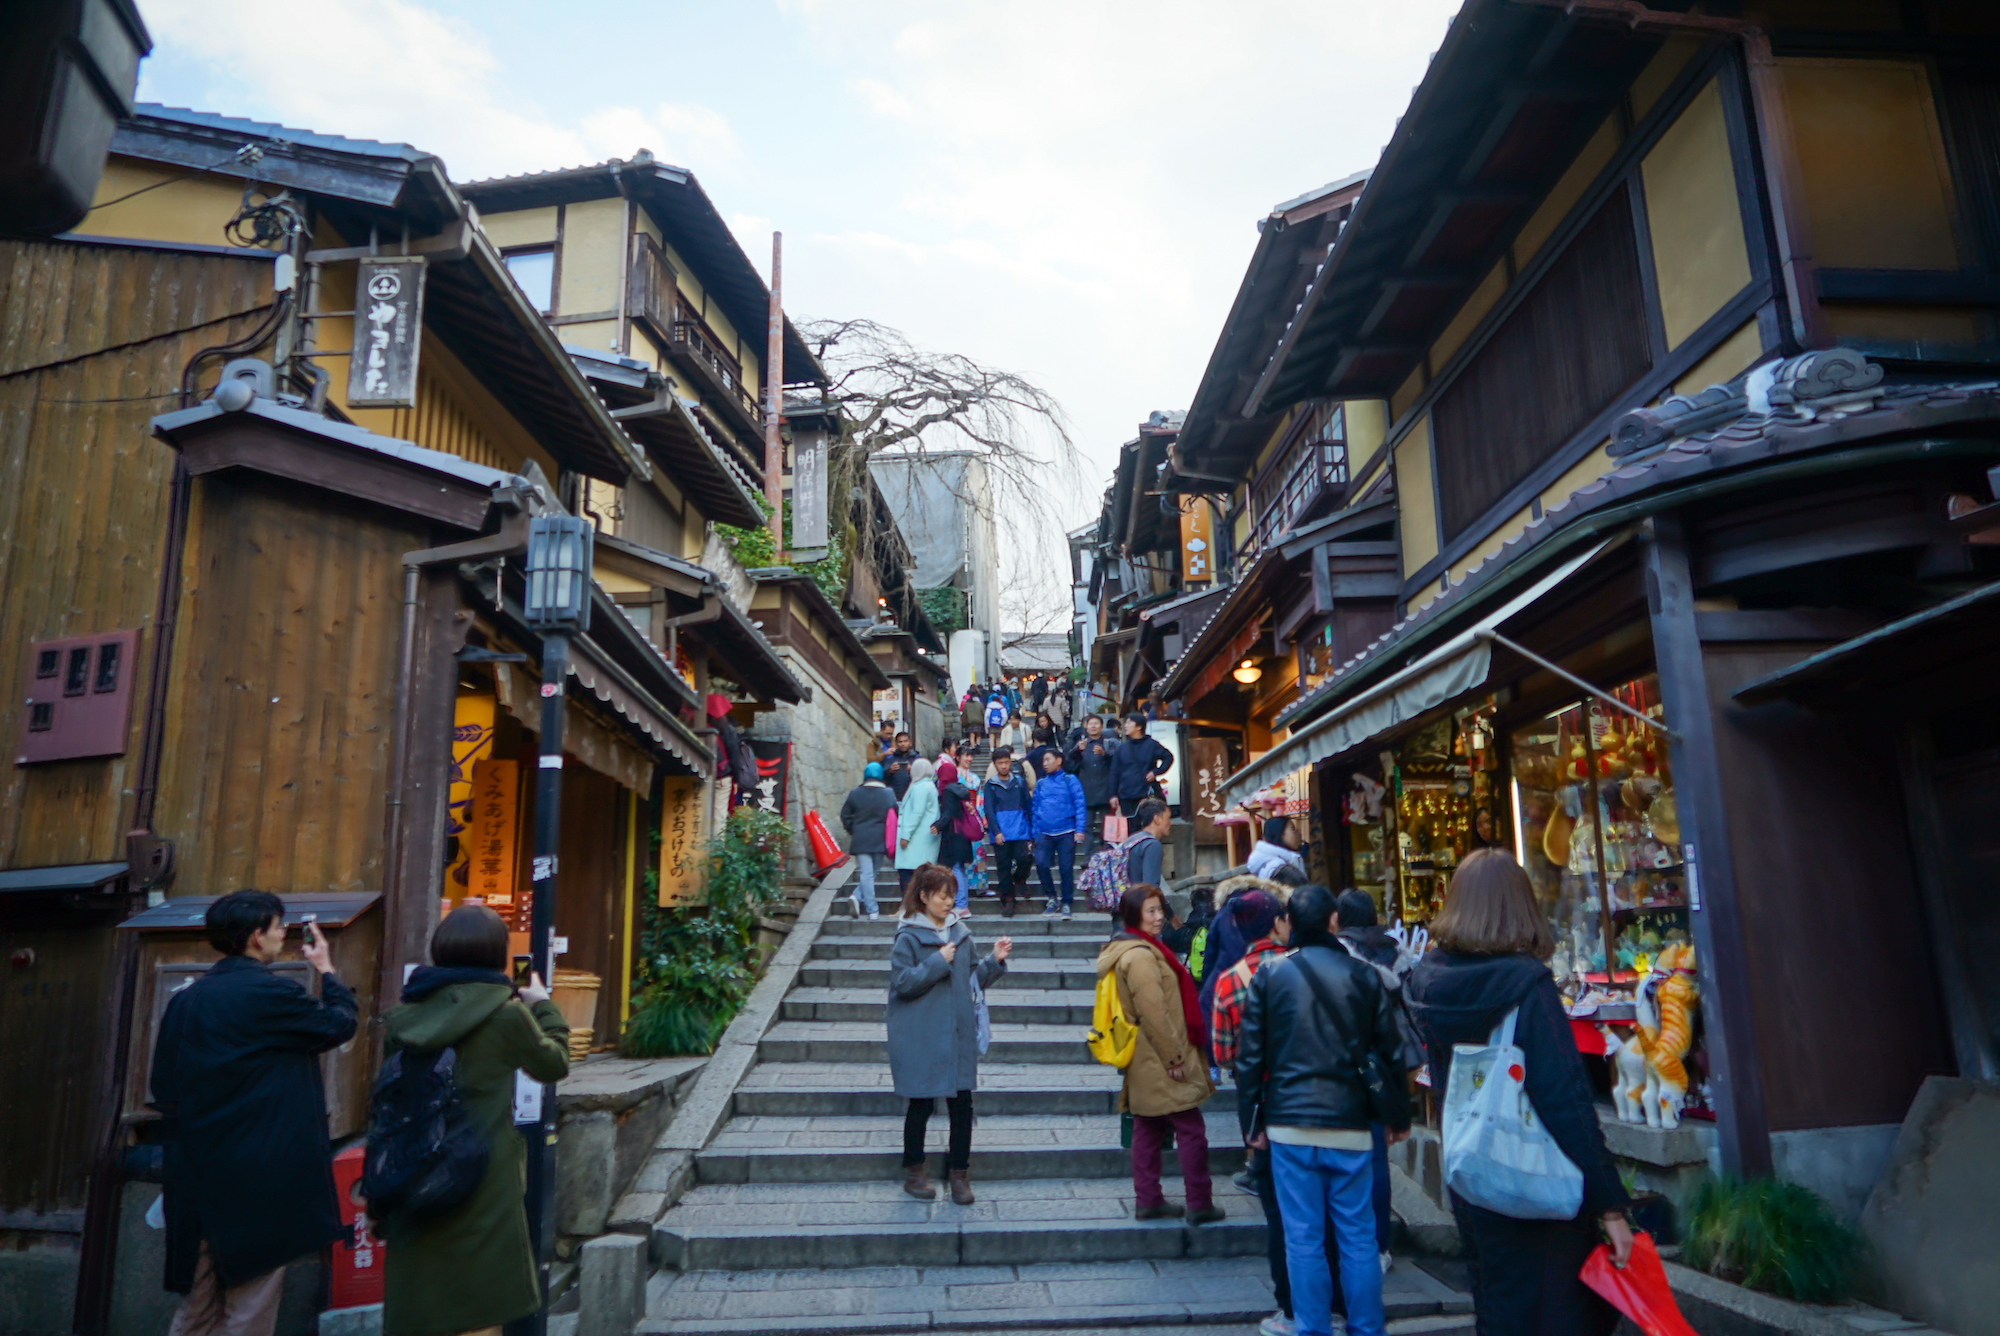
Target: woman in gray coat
(933, 1030)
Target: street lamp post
(558, 607)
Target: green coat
(473, 1268)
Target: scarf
(428, 979)
(1197, 1032)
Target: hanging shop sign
(1208, 759)
(471, 742)
(808, 493)
(1197, 541)
(388, 332)
(492, 837)
(680, 840)
(774, 772)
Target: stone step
(1005, 1147)
(1186, 1296)
(985, 926)
(753, 1226)
(1009, 1005)
(875, 945)
(805, 1089)
(866, 1042)
(1023, 974)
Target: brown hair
(473, 937)
(927, 878)
(1490, 910)
(1132, 904)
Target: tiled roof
(373, 148)
(1801, 405)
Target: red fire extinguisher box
(355, 1264)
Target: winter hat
(1254, 912)
(947, 773)
(718, 705)
(872, 771)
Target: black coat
(954, 850)
(1456, 999)
(1130, 760)
(1090, 761)
(897, 764)
(236, 1075)
(865, 817)
(1294, 1068)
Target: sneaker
(1245, 1182)
(1166, 1210)
(874, 916)
(1277, 1325)
(1065, 914)
(1208, 1215)
(1388, 1260)
(1048, 911)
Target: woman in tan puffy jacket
(1167, 1080)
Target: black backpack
(424, 1155)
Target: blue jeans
(1060, 848)
(864, 885)
(1317, 1186)
(1383, 1226)
(958, 875)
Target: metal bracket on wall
(1573, 679)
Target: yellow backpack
(1112, 1036)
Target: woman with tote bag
(1487, 979)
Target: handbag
(1366, 1065)
(1497, 1153)
(1114, 829)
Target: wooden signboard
(1208, 766)
(680, 841)
(388, 332)
(809, 508)
(493, 827)
(471, 743)
(1197, 542)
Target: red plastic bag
(1640, 1291)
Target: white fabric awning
(1453, 669)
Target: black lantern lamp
(559, 573)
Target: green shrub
(694, 965)
(1771, 1236)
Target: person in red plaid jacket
(1262, 918)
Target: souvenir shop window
(1441, 806)
(1596, 825)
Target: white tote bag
(1497, 1154)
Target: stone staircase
(796, 1220)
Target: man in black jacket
(249, 1171)
(897, 765)
(1089, 759)
(1136, 766)
(1318, 1030)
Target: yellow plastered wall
(1660, 71)
(1270, 446)
(1902, 324)
(193, 209)
(1416, 509)
(1588, 469)
(454, 413)
(1367, 428)
(1492, 543)
(1469, 315)
(1562, 198)
(592, 260)
(520, 227)
(751, 350)
(1406, 395)
(1727, 361)
(1872, 163)
(1699, 251)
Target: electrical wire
(248, 154)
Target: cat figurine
(1628, 1079)
(1666, 1030)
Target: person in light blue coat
(916, 822)
(1058, 817)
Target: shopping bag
(1497, 1154)
(1114, 829)
(889, 831)
(1640, 1291)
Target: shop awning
(1957, 628)
(68, 877)
(1453, 669)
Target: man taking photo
(1136, 766)
(1089, 759)
(249, 1171)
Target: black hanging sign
(388, 331)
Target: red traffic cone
(826, 853)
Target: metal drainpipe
(1780, 165)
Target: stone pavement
(796, 1221)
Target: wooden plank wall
(92, 343)
(283, 689)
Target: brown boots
(961, 1188)
(917, 1184)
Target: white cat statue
(1628, 1075)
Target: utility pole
(774, 400)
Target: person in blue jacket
(1058, 819)
(1005, 797)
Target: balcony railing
(1309, 468)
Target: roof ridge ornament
(1793, 388)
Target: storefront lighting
(1246, 672)
(558, 573)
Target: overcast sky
(1065, 188)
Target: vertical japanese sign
(1208, 762)
(494, 831)
(1197, 541)
(774, 766)
(388, 330)
(808, 490)
(680, 841)
(471, 742)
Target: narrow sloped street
(799, 1222)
